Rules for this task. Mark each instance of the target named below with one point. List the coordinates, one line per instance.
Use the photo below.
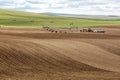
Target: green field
(9, 18)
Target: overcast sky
(92, 7)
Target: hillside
(35, 54)
(10, 18)
(107, 17)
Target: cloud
(93, 7)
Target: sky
(86, 7)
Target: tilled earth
(36, 54)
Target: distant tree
(51, 21)
(14, 19)
(71, 23)
(32, 21)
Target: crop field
(30, 52)
(26, 20)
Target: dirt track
(35, 54)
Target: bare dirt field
(36, 54)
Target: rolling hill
(25, 55)
(107, 17)
(10, 18)
(38, 54)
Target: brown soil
(36, 54)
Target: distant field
(18, 19)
